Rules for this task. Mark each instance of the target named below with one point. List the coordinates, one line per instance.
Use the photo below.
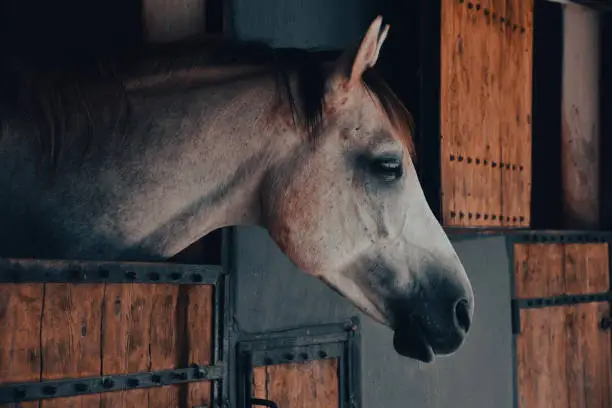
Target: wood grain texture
(564, 359)
(486, 69)
(543, 270)
(157, 327)
(70, 337)
(20, 316)
(94, 329)
(300, 385)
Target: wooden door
(485, 112)
(312, 384)
(563, 354)
(80, 335)
(313, 367)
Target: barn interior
(513, 124)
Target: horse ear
(367, 54)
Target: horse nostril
(462, 315)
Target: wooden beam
(171, 20)
(580, 118)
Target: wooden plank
(299, 385)
(543, 270)
(20, 317)
(486, 62)
(199, 329)
(70, 337)
(580, 139)
(125, 345)
(564, 360)
(152, 327)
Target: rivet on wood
(477, 6)
(485, 162)
(460, 158)
(477, 161)
(461, 215)
(493, 164)
(486, 12)
(486, 216)
(452, 157)
(470, 216)
(469, 160)
(477, 216)
(493, 217)
(470, 5)
(453, 214)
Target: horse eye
(388, 169)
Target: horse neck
(218, 150)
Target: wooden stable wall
(299, 385)
(59, 330)
(485, 129)
(564, 358)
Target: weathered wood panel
(486, 70)
(20, 317)
(563, 359)
(55, 331)
(544, 270)
(299, 385)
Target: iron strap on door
(21, 271)
(558, 237)
(327, 341)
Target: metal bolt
(175, 276)
(322, 354)
(20, 394)
(196, 277)
(104, 273)
(156, 378)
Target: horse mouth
(412, 342)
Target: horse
(135, 157)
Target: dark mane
(61, 91)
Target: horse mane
(52, 90)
